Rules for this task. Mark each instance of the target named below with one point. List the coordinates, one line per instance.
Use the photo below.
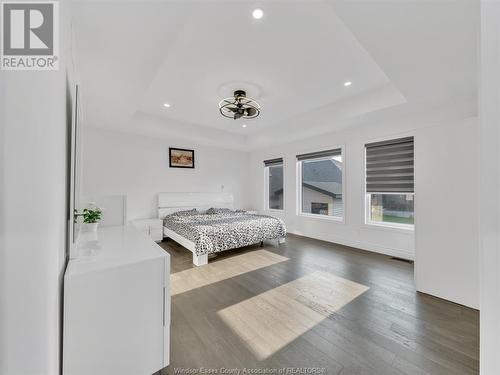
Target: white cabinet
(152, 227)
(116, 305)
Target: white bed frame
(169, 203)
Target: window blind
(277, 161)
(390, 166)
(320, 154)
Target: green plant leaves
(91, 215)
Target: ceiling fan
(239, 106)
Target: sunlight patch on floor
(222, 269)
(271, 320)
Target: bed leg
(200, 260)
(281, 240)
(261, 243)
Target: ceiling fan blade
(237, 115)
(233, 109)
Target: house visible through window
(321, 190)
(390, 191)
(274, 184)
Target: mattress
(212, 233)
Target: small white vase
(89, 227)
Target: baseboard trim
(459, 303)
(374, 248)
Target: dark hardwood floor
(312, 304)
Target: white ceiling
(135, 56)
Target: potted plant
(91, 217)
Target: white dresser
(116, 305)
(152, 227)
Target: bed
(206, 223)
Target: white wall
(446, 248)
(447, 211)
(137, 166)
(490, 187)
(33, 129)
(353, 232)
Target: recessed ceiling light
(166, 105)
(348, 83)
(257, 13)
(244, 125)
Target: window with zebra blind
(390, 193)
(274, 184)
(321, 189)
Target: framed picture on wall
(180, 158)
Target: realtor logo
(30, 35)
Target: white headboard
(171, 202)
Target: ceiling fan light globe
(251, 111)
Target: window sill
(338, 220)
(390, 228)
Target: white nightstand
(152, 227)
(252, 212)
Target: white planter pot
(89, 227)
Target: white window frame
(367, 207)
(335, 219)
(266, 189)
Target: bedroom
(339, 221)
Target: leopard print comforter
(221, 231)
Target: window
(274, 184)
(319, 208)
(320, 179)
(390, 183)
(391, 208)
